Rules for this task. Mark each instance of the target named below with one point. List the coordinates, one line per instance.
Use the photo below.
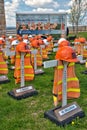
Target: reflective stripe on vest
(69, 79)
(18, 56)
(25, 67)
(26, 75)
(71, 90)
(3, 69)
(61, 66)
(1, 53)
(2, 62)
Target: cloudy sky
(13, 6)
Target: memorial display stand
(64, 114)
(23, 91)
(37, 71)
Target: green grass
(28, 114)
(80, 34)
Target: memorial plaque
(4, 79)
(64, 115)
(67, 111)
(23, 92)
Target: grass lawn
(28, 114)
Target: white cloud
(68, 11)
(10, 9)
(61, 10)
(41, 3)
(42, 10)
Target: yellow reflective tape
(38, 55)
(71, 64)
(18, 56)
(25, 67)
(3, 69)
(28, 54)
(55, 98)
(27, 75)
(71, 90)
(39, 61)
(61, 66)
(2, 62)
(69, 79)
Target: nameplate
(67, 109)
(3, 77)
(24, 89)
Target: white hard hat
(1, 38)
(30, 36)
(45, 41)
(10, 37)
(14, 42)
(61, 40)
(26, 41)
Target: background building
(2, 18)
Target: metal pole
(35, 62)
(22, 70)
(41, 47)
(64, 85)
(34, 52)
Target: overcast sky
(13, 6)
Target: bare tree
(77, 13)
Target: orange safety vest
(73, 90)
(28, 68)
(44, 54)
(78, 48)
(49, 46)
(85, 51)
(3, 65)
